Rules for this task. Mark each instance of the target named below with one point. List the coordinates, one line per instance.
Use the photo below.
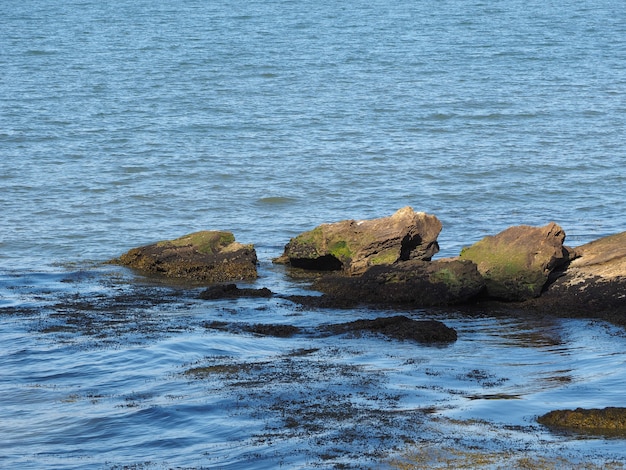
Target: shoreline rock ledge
(206, 257)
(593, 282)
(354, 246)
(387, 261)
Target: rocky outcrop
(594, 282)
(609, 421)
(387, 261)
(353, 246)
(415, 282)
(523, 268)
(205, 257)
(517, 262)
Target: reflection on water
(103, 369)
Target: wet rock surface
(261, 329)
(516, 263)
(593, 284)
(231, 291)
(606, 421)
(594, 297)
(353, 246)
(205, 257)
(400, 327)
(419, 283)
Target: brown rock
(516, 263)
(594, 283)
(607, 421)
(401, 327)
(604, 258)
(417, 283)
(353, 246)
(206, 257)
(231, 291)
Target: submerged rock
(354, 246)
(395, 327)
(606, 421)
(261, 329)
(207, 257)
(401, 327)
(231, 291)
(517, 262)
(418, 283)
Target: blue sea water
(127, 122)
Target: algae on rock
(205, 257)
(353, 246)
(516, 263)
(609, 421)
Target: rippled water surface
(123, 123)
(103, 371)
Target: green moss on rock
(201, 257)
(417, 283)
(207, 241)
(516, 262)
(353, 246)
(385, 257)
(341, 251)
(445, 276)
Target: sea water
(123, 123)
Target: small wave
(441, 116)
(276, 200)
(37, 52)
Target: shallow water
(102, 370)
(126, 123)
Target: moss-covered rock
(205, 257)
(353, 246)
(606, 421)
(208, 241)
(516, 263)
(416, 283)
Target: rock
(353, 246)
(604, 258)
(607, 421)
(416, 283)
(277, 330)
(593, 283)
(401, 327)
(206, 257)
(231, 291)
(516, 263)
